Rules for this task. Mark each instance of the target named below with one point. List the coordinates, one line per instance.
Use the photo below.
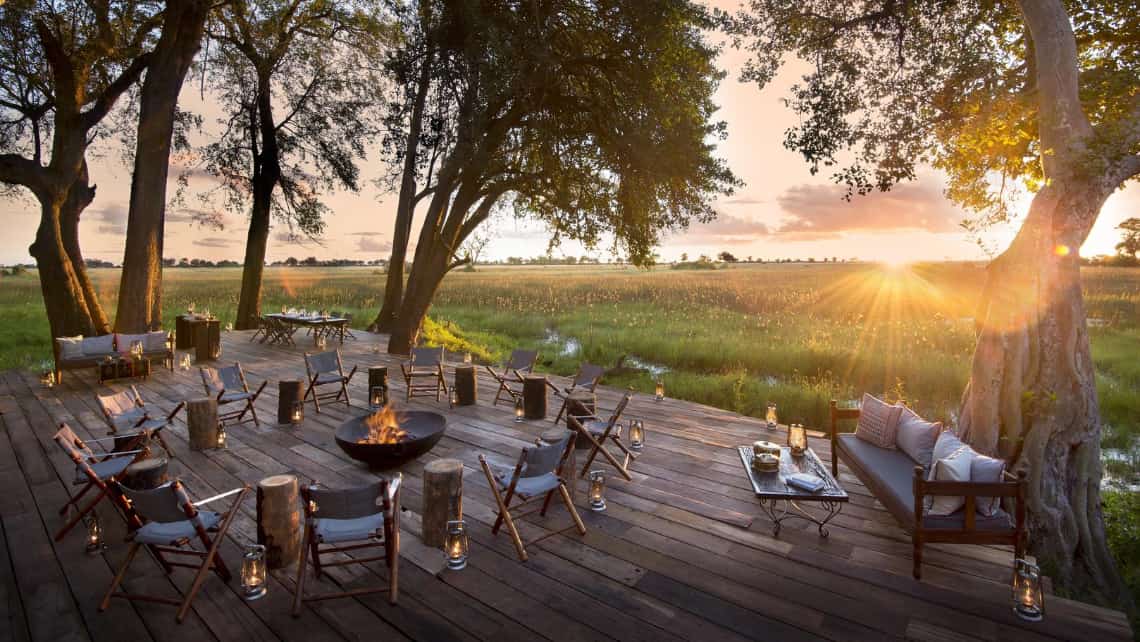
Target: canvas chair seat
(128, 418)
(235, 395)
(329, 377)
(529, 486)
(603, 432)
(106, 470)
(124, 410)
(323, 369)
(331, 531)
(170, 533)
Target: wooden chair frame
(208, 558)
(598, 444)
(278, 331)
(342, 383)
(413, 371)
(146, 423)
(80, 453)
(520, 363)
(1013, 487)
(234, 416)
(503, 498)
(389, 504)
(586, 378)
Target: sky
(782, 211)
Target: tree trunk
(67, 310)
(140, 287)
(427, 273)
(1032, 396)
(78, 198)
(257, 240)
(405, 208)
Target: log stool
(534, 397)
(147, 474)
(552, 436)
(580, 404)
(466, 386)
(378, 376)
(279, 520)
(207, 340)
(202, 423)
(288, 394)
(443, 499)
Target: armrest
(394, 489)
(215, 498)
(120, 453)
(174, 413)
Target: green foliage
(1130, 244)
(1122, 521)
(895, 85)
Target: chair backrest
(427, 356)
(164, 504)
(588, 375)
(323, 362)
(219, 379)
(620, 407)
(540, 460)
(522, 360)
(76, 449)
(346, 503)
(120, 403)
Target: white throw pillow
(123, 342)
(956, 467)
(947, 444)
(70, 347)
(99, 346)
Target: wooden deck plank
(682, 552)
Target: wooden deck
(682, 552)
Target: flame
(383, 428)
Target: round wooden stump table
(288, 392)
(279, 520)
(147, 474)
(443, 499)
(466, 386)
(534, 397)
(202, 423)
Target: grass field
(793, 334)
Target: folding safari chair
(126, 410)
(521, 362)
(94, 471)
(368, 515)
(426, 364)
(598, 431)
(324, 368)
(278, 331)
(262, 330)
(586, 379)
(537, 474)
(228, 385)
(168, 523)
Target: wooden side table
(442, 499)
(534, 397)
(288, 393)
(207, 340)
(183, 332)
(279, 520)
(466, 385)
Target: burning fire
(383, 428)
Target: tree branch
(107, 99)
(17, 170)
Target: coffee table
(123, 368)
(780, 501)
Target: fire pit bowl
(424, 430)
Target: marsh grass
(737, 337)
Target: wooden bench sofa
(77, 353)
(901, 485)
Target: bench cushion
(70, 347)
(999, 521)
(888, 473)
(99, 346)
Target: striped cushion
(878, 422)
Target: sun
(895, 263)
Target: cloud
(745, 200)
(818, 212)
(215, 242)
(112, 219)
(725, 229)
(370, 244)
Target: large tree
(592, 117)
(140, 285)
(297, 80)
(1129, 245)
(992, 93)
(63, 66)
